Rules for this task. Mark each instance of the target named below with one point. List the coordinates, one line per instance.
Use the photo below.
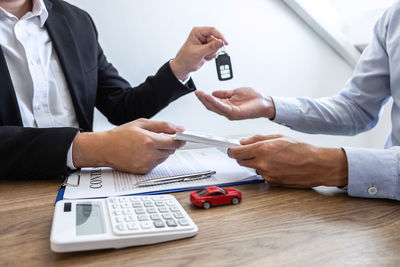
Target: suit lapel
(9, 109)
(64, 44)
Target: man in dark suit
(53, 73)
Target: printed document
(103, 182)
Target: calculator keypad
(147, 214)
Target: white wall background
(271, 49)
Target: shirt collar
(38, 10)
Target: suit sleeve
(121, 103)
(34, 153)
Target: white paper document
(103, 182)
(207, 139)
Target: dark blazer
(92, 82)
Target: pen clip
(174, 179)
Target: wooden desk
(271, 227)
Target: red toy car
(214, 195)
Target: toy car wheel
(235, 201)
(206, 205)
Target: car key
(224, 66)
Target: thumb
(161, 127)
(258, 138)
(211, 47)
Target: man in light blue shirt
(284, 161)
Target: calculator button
(122, 199)
(170, 202)
(145, 198)
(183, 222)
(117, 212)
(136, 204)
(129, 218)
(148, 204)
(133, 226)
(151, 210)
(155, 216)
(115, 206)
(124, 206)
(159, 203)
(146, 225)
(171, 223)
(160, 197)
(143, 217)
(167, 216)
(133, 199)
(163, 209)
(118, 219)
(121, 227)
(158, 224)
(140, 211)
(111, 200)
(174, 208)
(127, 212)
(178, 215)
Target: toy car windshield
(202, 192)
(222, 190)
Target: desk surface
(272, 226)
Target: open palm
(238, 104)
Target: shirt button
(372, 190)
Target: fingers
(258, 138)
(160, 126)
(208, 31)
(249, 163)
(243, 152)
(210, 57)
(214, 104)
(211, 47)
(224, 94)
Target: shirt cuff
(286, 110)
(184, 82)
(70, 163)
(373, 173)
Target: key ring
(223, 47)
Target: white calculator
(117, 222)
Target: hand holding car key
(224, 66)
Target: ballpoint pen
(177, 178)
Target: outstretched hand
(238, 104)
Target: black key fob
(224, 66)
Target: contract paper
(104, 182)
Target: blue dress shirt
(372, 173)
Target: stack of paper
(105, 182)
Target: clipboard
(226, 172)
(257, 179)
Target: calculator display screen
(89, 219)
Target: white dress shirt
(39, 83)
